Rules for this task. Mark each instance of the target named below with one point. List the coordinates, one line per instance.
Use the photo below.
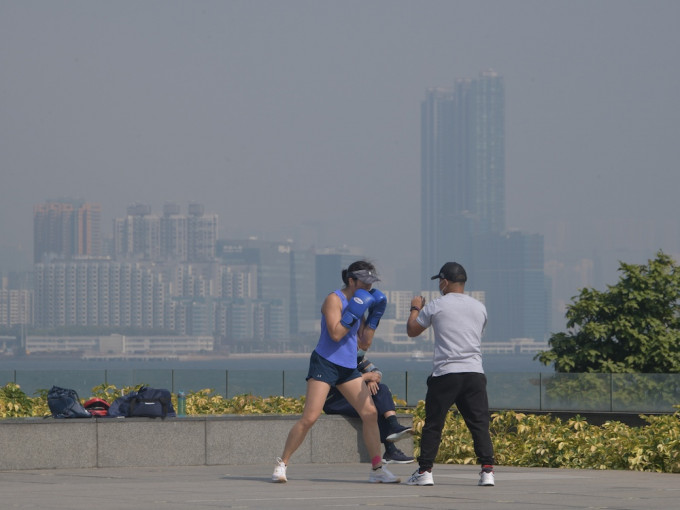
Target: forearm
(372, 376)
(413, 328)
(365, 338)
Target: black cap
(453, 272)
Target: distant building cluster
(170, 273)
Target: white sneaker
(382, 475)
(420, 478)
(486, 479)
(279, 475)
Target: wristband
(414, 308)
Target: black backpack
(147, 402)
(64, 403)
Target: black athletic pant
(337, 404)
(468, 392)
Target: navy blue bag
(147, 402)
(64, 403)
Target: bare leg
(357, 394)
(317, 391)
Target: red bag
(97, 407)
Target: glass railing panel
(396, 382)
(262, 383)
(639, 393)
(120, 378)
(645, 393)
(294, 384)
(416, 386)
(517, 390)
(154, 378)
(6, 376)
(82, 381)
(576, 392)
(195, 380)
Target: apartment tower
(64, 229)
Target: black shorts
(320, 369)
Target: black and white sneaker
(399, 432)
(396, 456)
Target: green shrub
(14, 403)
(528, 440)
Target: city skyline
(300, 120)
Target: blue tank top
(344, 352)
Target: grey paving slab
(332, 486)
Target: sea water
(386, 362)
(262, 375)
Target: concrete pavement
(315, 486)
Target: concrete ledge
(46, 443)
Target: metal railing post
(406, 387)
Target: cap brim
(435, 277)
(369, 279)
(365, 276)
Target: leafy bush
(529, 440)
(14, 403)
(206, 402)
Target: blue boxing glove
(356, 307)
(376, 310)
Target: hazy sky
(301, 119)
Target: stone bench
(47, 443)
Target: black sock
(392, 421)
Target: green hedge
(522, 440)
(527, 440)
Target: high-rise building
(510, 268)
(99, 293)
(463, 168)
(173, 233)
(463, 206)
(138, 234)
(172, 237)
(270, 268)
(64, 229)
(201, 234)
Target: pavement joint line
(299, 498)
